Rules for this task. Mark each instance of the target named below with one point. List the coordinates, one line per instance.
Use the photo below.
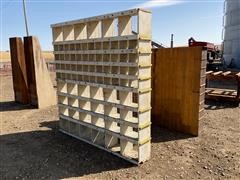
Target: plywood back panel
(178, 86)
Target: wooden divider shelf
(104, 81)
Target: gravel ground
(33, 148)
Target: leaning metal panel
(103, 67)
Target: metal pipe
(25, 17)
(172, 41)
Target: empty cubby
(97, 121)
(99, 69)
(91, 68)
(114, 44)
(84, 46)
(133, 58)
(62, 87)
(98, 137)
(108, 27)
(98, 45)
(115, 70)
(96, 107)
(72, 57)
(67, 57)
(57, 58)
(99, 57)
(85, 133)
(100, 80)
(75, 76)
(111, 111)
(128, 131)
(123, 45)
(107, 69)
(68, 33)
(64, 124)
(115, 81)
(62, 100)
(110, 95)
(124, 82)
(72, 47)
(55, 47)
(91, 57)
(78, 46)
(112, 143)
(112, 126)
(114, 58)
(106, 45)
(84, 91)
(79, 68)
(63, 111)
(125, 97)
(72, 102)
(132, 44)
(83, 104)
(66, 47)
(124, 70)
(94, 29)
(107, 80)
(133, 71)
(128, 149)
(85, 68)
(124, 25)
(80, 31)
(61, 47)
(84, 57)
(74, 128)
(57, 34)
(68, 67)
(86, 78)
(106, 57)
(124, 58)
(73, 114)
(92, 79)
(85, 117)
(80, 78)
(90, 46)
(96, 93)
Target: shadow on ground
(160, 134)
(215, 105)
(14, 106)
(51, 154)
(48, 153)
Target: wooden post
(19, 73)
(41, 90)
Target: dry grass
(5, 56)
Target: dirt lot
(33, 148)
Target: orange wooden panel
(178, 74)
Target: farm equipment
(214, 54)
(223, 86)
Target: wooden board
(19, 72)
(41, 90)
(178, 88)
(104, 82)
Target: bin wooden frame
(104, 81)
